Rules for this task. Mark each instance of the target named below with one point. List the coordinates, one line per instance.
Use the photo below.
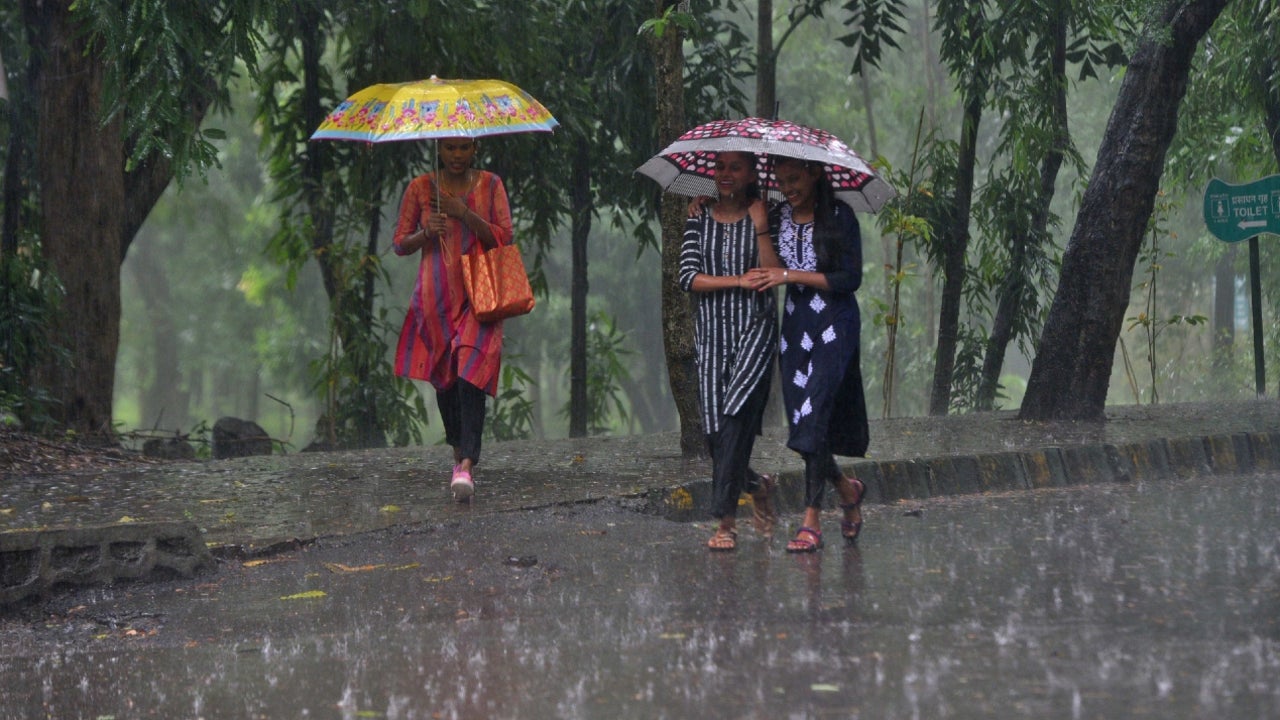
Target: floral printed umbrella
(687, 166)
(433, 109)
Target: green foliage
(672, 15)
(966, 377)
(874, 25)
(365, 402)
(1152, 257)
(208, 326)
(606, 373)
(591, 68)
(513, 411)
(1100, 35)
(29, 298)
(999, 57)
(897, 219)
(165, 58)
(1223, 128)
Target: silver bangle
(784, 274)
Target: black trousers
(820, 469)
(462, 409)
(731, 448)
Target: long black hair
(829, 240)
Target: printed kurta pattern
(441, 340)
(821, 380)
(735, 329)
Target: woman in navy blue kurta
(820, 247)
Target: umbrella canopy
(687, 166)
(434, 108)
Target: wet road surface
(1156, 600)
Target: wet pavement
(1131, 600)
(350, 585)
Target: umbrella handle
(435, 183)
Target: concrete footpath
(176, 519)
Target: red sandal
(801, 544)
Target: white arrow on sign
(1245, 224)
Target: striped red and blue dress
(441, 339)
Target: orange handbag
(496, 283)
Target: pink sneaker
(462, 487)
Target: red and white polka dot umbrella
(687, 166)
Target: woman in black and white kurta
(736, 333)
(820, 247)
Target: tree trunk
(580, 209)
(1010, 305)
(933, 72)
(766, 61)
(17, 166)
(766, 107)
(1072, 369)
(955, 243)
(350, 289)
(90, 207)
(677, 315)
(82, 199)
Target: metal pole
(1255, 298)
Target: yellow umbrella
(435, 108)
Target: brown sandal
(764, 515)
(724, 540)
(851, 525)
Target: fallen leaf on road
(410, 566)
(265, 561)
(824, 687)
(308, 595)
(680, 499)
(340, 568)
(126, 519)
(389, 509)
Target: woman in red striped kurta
(445, 215)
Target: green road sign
(1239, 212)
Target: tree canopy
(997, 85)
